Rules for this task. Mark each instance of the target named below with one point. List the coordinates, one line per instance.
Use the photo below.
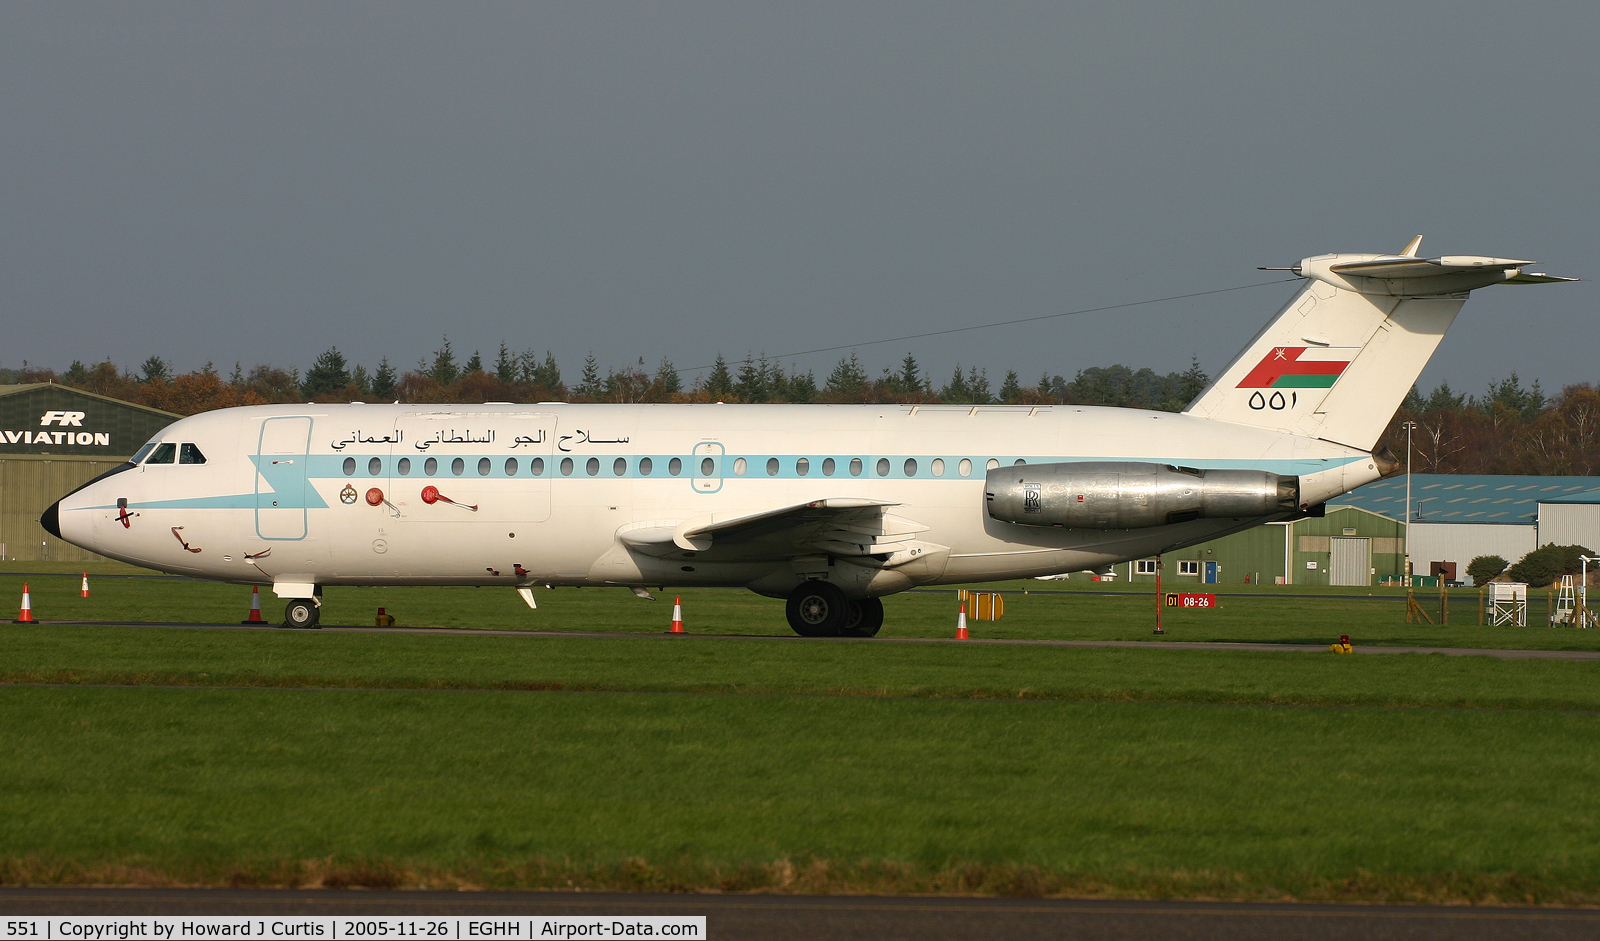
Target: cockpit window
(144, 452)
(163, 454)
(189, 454)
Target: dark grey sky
(258, 182)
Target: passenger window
(1019, 462)
(537, 466)
(739, 467)
(883, 467)
(484, 466)
(189, 454)
(707, 465)
(592, 466)
(619, 466)
(457, 466)
(430, 466)
(511, 467)
(827, 467)
(566, 467)
(374, 467)
(937, 467)
(404, 467)
(772, 467)
(966, 467)
(644, 466)
(911, 467)
(349, 466)
(992, 464)
(164, 453)
(855, 467)
(802, 467)
(675, 467)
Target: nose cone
(51, 520)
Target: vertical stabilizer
(1338, 359)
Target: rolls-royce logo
(1032, 498)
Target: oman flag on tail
(1300, 367)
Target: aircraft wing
(839, 526)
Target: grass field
(1058, 610)
(182, 756)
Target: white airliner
(829, 506)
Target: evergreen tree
(591, 386)
(719, 383)
(327, 375)
(1191, 383)
(549, 375)
(505, 366)
(1443, 397)
(978, 385)
(236, 378)
(1011, 389)
(155, 369)
(911, 381)
(444, 370)
(362, 380)
(384, 380)
(667, 377)
(753, 385)
(76, 375)
(800, 387)
(849, 378)
(956, 391)
(1413, 402)
(475, 364)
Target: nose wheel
(302, 614)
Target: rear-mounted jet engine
(1127, 495)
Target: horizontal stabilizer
(1404, 266)
(1536, 277)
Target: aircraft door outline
(282, 453)
(712, 451)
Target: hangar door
(1351, 562)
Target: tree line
(531, 376)
(1509, 429)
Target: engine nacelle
(1127, 495)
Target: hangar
(1348, 546)
(1455, 518)
(52, 439)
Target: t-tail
(1338, 359)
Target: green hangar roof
(45, 418)
(1470, 498)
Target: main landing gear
(820, 609)
(302, 614)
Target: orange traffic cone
(961, 623)
(677, 615)
(86, 584)
(255, 607)
(26, 617)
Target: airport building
(1455, 518)
(52, 439)
(1348, 546)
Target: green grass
(680, 791)
(99, 655)
(1067, 610)
(775, 763)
